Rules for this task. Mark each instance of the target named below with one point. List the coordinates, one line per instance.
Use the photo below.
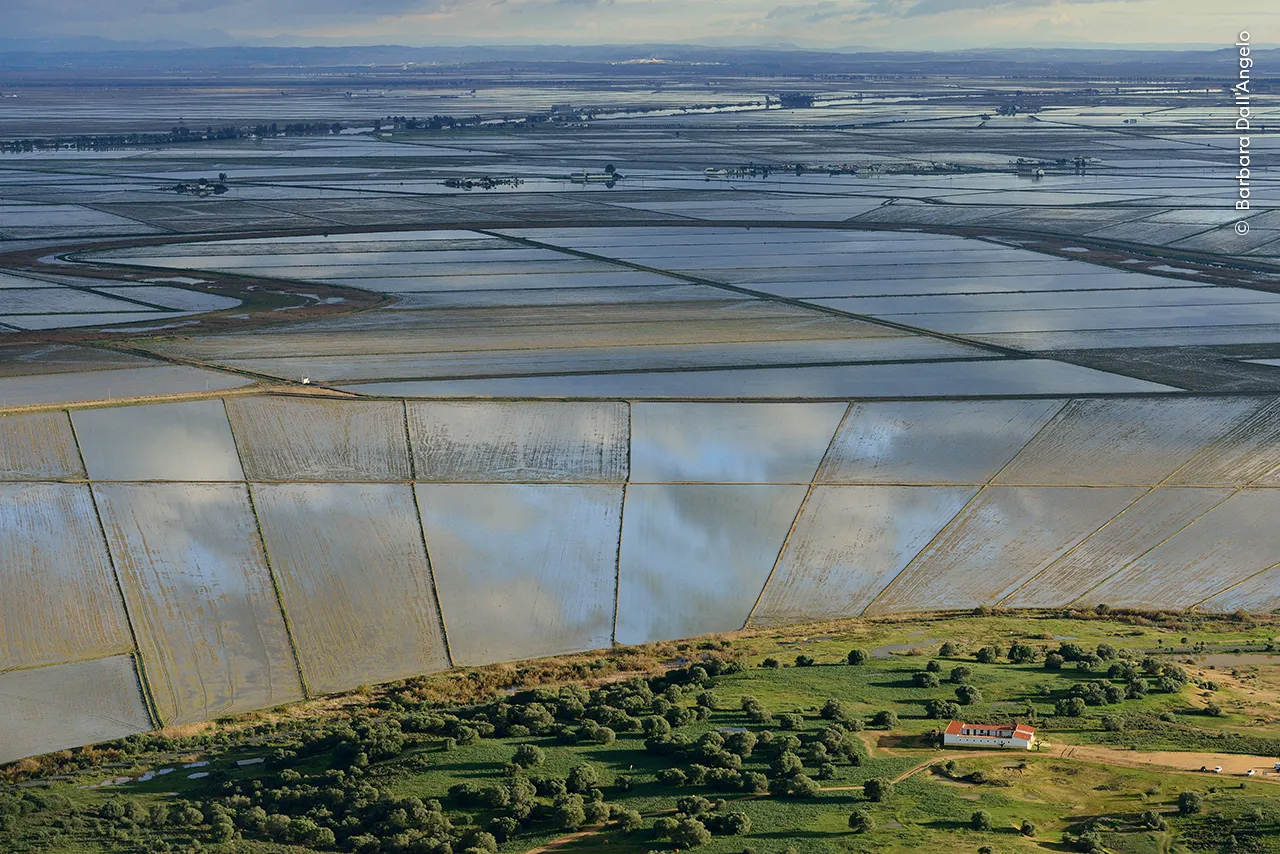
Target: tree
(1022, 653)
(582, 778)
(1070, 707)
(988, 655)
(968, 695)
(925, 679)
(833, 710)
(569, 812)
(693, 805)
(948, 650)
(803, 660)
(857, 656)
(980, 820)
(628, 820)
(1153, 820)
(960, 675)
(690, 833)
(887, 719)
(787, 764)
(803, 786)
(595, 812)
(1190, 803)
(877, 789)
(1054, 661)
(1027, 829)
(942, 710)
(860, 821)
(528, 756)
(1213, 710)
(734, 824)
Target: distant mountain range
(83, 54)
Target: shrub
(948, 650)
(569, 812)
(960, 675)
(942, 709)
(925, 679)
(1070, 707)
(528, 756)
(671, 777)
(934, 667)
(833, 710)
(805, 787)
(628, 820)
(770, 664)
(734, 824)
(596, 812)
(1053, 661)
(1213, 710)
(1190, 803)
(690, 833)
(860, 821)
(988, 654)
(877, 789)
(1021, 653)
(887, 719)
(790, 721)
(1153, 820)
(857, 656)
(968, 695)
(581, 779)
(805, 661)
(980, 820)
(693, 805)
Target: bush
(968, 695)
(805, 661)
(1070, 707)
(833, 710)
(790, 721)
(933, 667)
(960, 675)
(690, 833)
(734, 824)
(582, 778)
(596, 812)
(1153, 820)
(860, 821)
(1027, 829)
(857, 656)
(988, 654)
(948, 650)
(569, 812)
(1021, 653)
(942, 710)
(925, 679)
(770, 664)
(1213, 710)
(528, 756)
(887, 719)
(671, 777)
(805, 787)
(1053, 661)
(877, 789)
(628, 820)
(693, 805)
(1190, 803)
(980, 820)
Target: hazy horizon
(900, 25)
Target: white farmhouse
(961, 734)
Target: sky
(877, 24)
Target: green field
(764, 739)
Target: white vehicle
(1217, 769)
(1249, 773)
